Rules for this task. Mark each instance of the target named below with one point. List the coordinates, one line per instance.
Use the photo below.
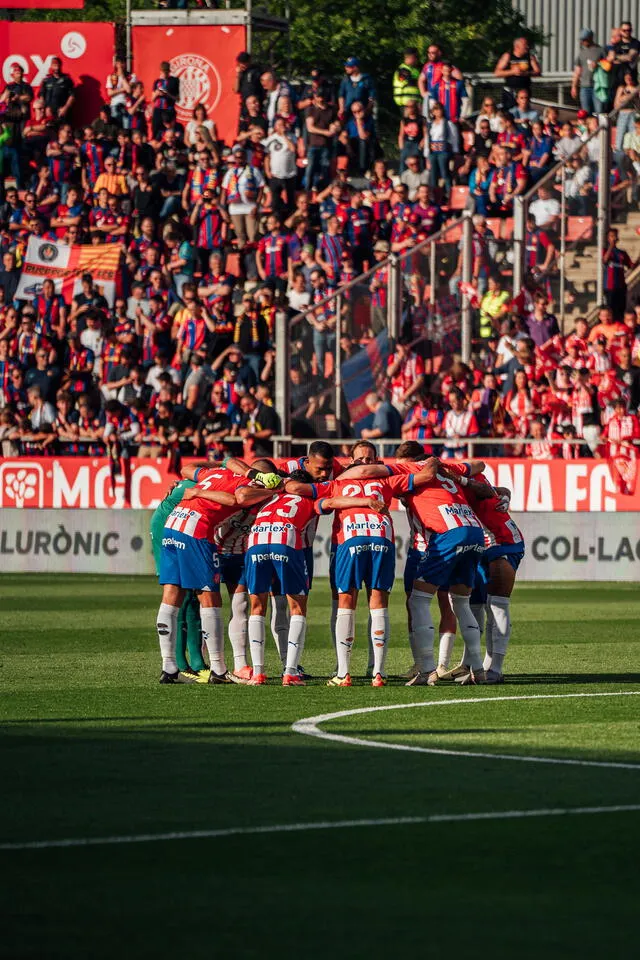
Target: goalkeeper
(188, 636)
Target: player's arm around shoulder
(214, 496)
(368, 471)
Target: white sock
(167, 627)
(447, 643)
(295, 645)
(280, 625)
(488, 640)
(501, 630)
(256, 643)
(334, 615)
(371, 655)
(469, 630)
(345, 633)
(238, 628)
(480, 613)
(213, 636)
(379, 638)
(423, 630)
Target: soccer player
(230, 538)
(364, 554)
(275, 552)
(188, 634)
(455, 542)
(416, 554)
(502, 557)
(189, 561)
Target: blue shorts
(368, 561)
(275, 568)
(308, 556)
(513, 552)
(413, 561)
(453, 557)
(479, 592)
(189, 562)
(232, 568)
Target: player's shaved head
(319, 463)
(320, 448)
(410, 450)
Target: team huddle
(252, 527)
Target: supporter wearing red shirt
(458, 422)
(405, 371)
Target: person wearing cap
(586, 62)
(405, 79)
(242, 188)
(355, 85)
(516, 67)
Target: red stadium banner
(204, 60)
(86, 50)
(563, 486)
(43, 4)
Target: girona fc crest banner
(203, 58)
(64, 264)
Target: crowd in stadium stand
(217, 236)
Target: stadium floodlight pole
(467, 275)
(603, 201)
(338, 364)
(563, 243)
(282, 398)
(519, 229)
(249, 4)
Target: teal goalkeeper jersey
(160, 514)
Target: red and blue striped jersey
(162, 102)
(112, 354)
(274, 249)
(380, 208)
(614, 269)
(359, 228)
(331, 248)
(210, 225)
(92, 159)
(450, 93)
(61, 167)
(47, 312)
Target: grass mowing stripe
(323, 825)
(308, 726)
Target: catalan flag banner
(65, 265)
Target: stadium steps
(581, 272)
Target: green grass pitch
(92, 746)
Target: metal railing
(282, 442)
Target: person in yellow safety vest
(405, 79)
(494, 307)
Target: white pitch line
(309, 727)
(321, 825)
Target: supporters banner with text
(64, 264)
(203, 59)
(86, 50)
(557, 486)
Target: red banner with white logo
(564, 486)
(203, 59)
(86, 50)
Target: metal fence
(424, 294)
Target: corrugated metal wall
(564, 19)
